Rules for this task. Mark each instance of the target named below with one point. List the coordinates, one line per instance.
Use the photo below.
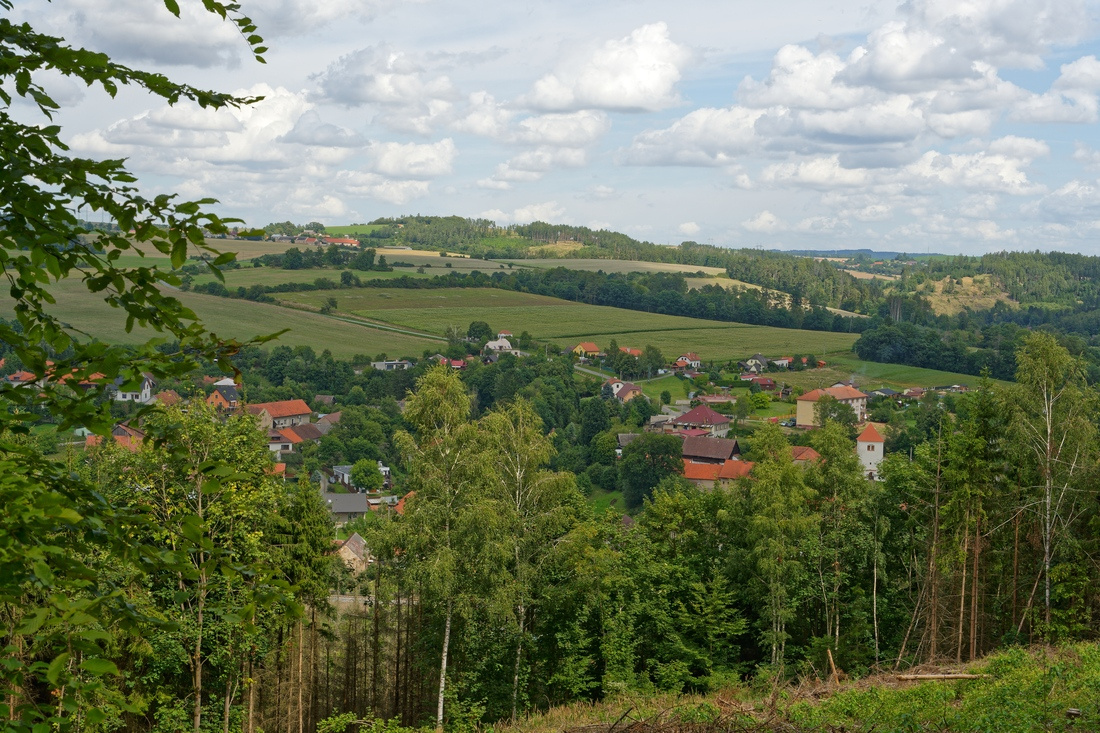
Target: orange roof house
(803, 454)
(804, 415)
(283, 414)
(705, 475)
(586, 348)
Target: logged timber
(947, 676)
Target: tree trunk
(376, 647)
(974, 589)
(196, 661)
(962, 598)
(522, 612)
(443, 668)
(251, 698)
(933, 567)
(874, 588)
(227, 703)
(301, 708)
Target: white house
(143, 395)
(500, 344)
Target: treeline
(971, 351)
(1053, 278)
(906, 343)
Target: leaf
(99, 667)
(57, 666)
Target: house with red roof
(128, 437)
(631, 351)
(704, 417)
(282, 414)
(586, 349)
(803, 454)
(869, 448)
(708, 475)
(845, 394)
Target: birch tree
(449, 517)
(1056, 432)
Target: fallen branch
(946, 676)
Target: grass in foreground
(1021, 690)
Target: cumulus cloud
(632, 74)
(410, 160)
(546, 211)
(407, 95)
(765, 222)
(148, 32)
(689, 228)
(310, 129)
(574, 130)
(484, 116)
(706, 136)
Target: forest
(500, 590)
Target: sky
(956, 126)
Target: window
(870, 448)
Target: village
(706, 421)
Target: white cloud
(137, 30)
(484, 116)
(631, 74)
(765, 222)
(689, 228)
(548, 211)
(706, 136)
(574, 130)
(825, 173)
(408, 96)
(410, 160)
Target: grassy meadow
(239, 319)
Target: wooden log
(945, 676)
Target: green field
(676, 386)
(350, 230)
(566, 323)
(611, 266)
(240, 319)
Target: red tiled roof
(870, 435)
(841, 393)
(587, 346)
(298, 433)
(701, 415)
(168, 397)
(285, 408)
(729, 470)
(804, 453)
(712, 448)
